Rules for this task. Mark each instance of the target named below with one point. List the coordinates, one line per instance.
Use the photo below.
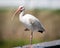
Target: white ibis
(31, 23)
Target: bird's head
(20, 9)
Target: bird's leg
(31, 38)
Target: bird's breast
(25, 22)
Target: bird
(30, 22)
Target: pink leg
(31, 37)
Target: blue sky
(31, 3)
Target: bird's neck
(21, 14)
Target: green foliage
(12, 43)
(56, 11)
(3, 10)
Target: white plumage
(30, 22)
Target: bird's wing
(36, 24)
(31, 21)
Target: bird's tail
(41, 30)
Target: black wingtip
(26, 29)
(40, 31)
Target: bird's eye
(21, 7)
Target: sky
(31, 3)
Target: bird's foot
(30, 46)
(26, 29)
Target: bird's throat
(22, 13)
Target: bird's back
(28, 16)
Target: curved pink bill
(17, 11)
(15, 14)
